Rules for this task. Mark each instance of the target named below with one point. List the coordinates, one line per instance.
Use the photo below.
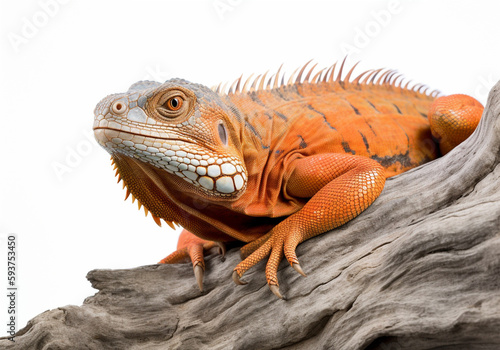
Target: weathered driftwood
(420, 269)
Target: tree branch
(420, 269)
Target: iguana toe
(193, 248)
(272, 248)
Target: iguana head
(179, 128)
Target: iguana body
(271, 165)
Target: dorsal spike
(325, 79)
(231, 88)
(139, 205)
(276, 85)
(395, 81)
(389, 76)
(224, 88)
(331, 79)
(382, 77)
(367, 77)
(348, 76)
(339, 76)
(395, 77)
(308, 75)
(218, 88)
(146, 211)
(261, 84)
(375, 75)
(358, 78)
(133, 198)
(254, 84)
(407, 84)
(317, 76)
(422, 86)
(290, 80)
(299, 76)
(237, 89)
(127, 194)
(244, 88)
(269, 82)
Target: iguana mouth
(202, 167)
(144, 135)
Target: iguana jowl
(272, 163)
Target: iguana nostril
(119, 107)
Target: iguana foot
(272, 248)
(339, 186)
(191, 247)
(453, 119)
(275, 245)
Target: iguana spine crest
(386, 78)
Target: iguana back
(370, 117)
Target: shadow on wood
(420, 269)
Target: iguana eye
(174, 103)
(119, 107)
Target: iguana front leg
(339, 186)
(192, 247)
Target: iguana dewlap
(272, 163)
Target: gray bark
(420, 269)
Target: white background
(58, 193)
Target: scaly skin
(271, 166)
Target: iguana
(272, 163)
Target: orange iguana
(272, 163)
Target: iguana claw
(299, 269)
(198, 273)
(222, 248)
(276, 290)
(236, 279)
